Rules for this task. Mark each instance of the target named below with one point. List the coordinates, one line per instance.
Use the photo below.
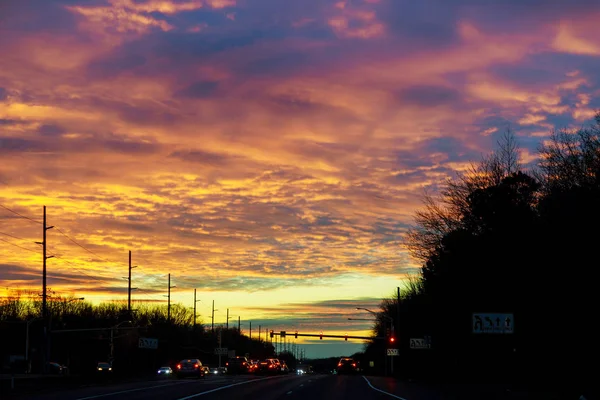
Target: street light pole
(28, 323)
(112, 338)
(391, 320)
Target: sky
(268, 153)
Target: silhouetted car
(347, 365)
(57, 369)
(238, 365)
(104, 369)
(269, 366)
(190, 367)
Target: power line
(78, 269)
(12, 236)
(20, 215)
(16, 245)
(83, 247)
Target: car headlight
(99, 369)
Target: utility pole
(46, 353)
(239, 325)
(259, 333)
(227, 325)
(398, 311)
(250, 329)
(129, 288)
(213, 318)
(44, 258)
(195, 301)
(169, 300)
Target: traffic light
(346, 337)
(392, 339)
(321, 336)
(282, 334)
(271, 333)
(296, 335)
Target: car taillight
(353, 364)
(196, 365)
(339, 364)
(178, 366)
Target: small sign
(392, 352)
(221, 351)
(419, 343)
(148, 343)
(494, 323)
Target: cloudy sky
(270, 153)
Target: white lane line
(288, 393)
(130, 391)
(382, 391)
(226, 387)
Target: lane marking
(301, 384)
(288, 393)
(382, 391)
(226, 387)
(132, 390)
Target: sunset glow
(268, 153)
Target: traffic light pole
(319, 335)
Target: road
(288, 387)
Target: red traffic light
(346, 338)
(296, 335)
(321, 336)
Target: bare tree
(571, 159)
(445, 213)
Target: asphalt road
(288, 387)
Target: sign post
(147, 343)
(420, 343)
(493, 323)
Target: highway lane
(286, 387)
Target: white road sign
(392, 352)
(221, 350)
(148, 343)
(494, 323)
(419, 343)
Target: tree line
(80, 336)
(502, 238)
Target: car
(238, 365)
(56, 368)
(347, 365)
(104, 368)
(164, 372)
(269, 366)
(190, 367)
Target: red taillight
(178, 366)
(339, 364)
(196, 365)
(354, 364)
